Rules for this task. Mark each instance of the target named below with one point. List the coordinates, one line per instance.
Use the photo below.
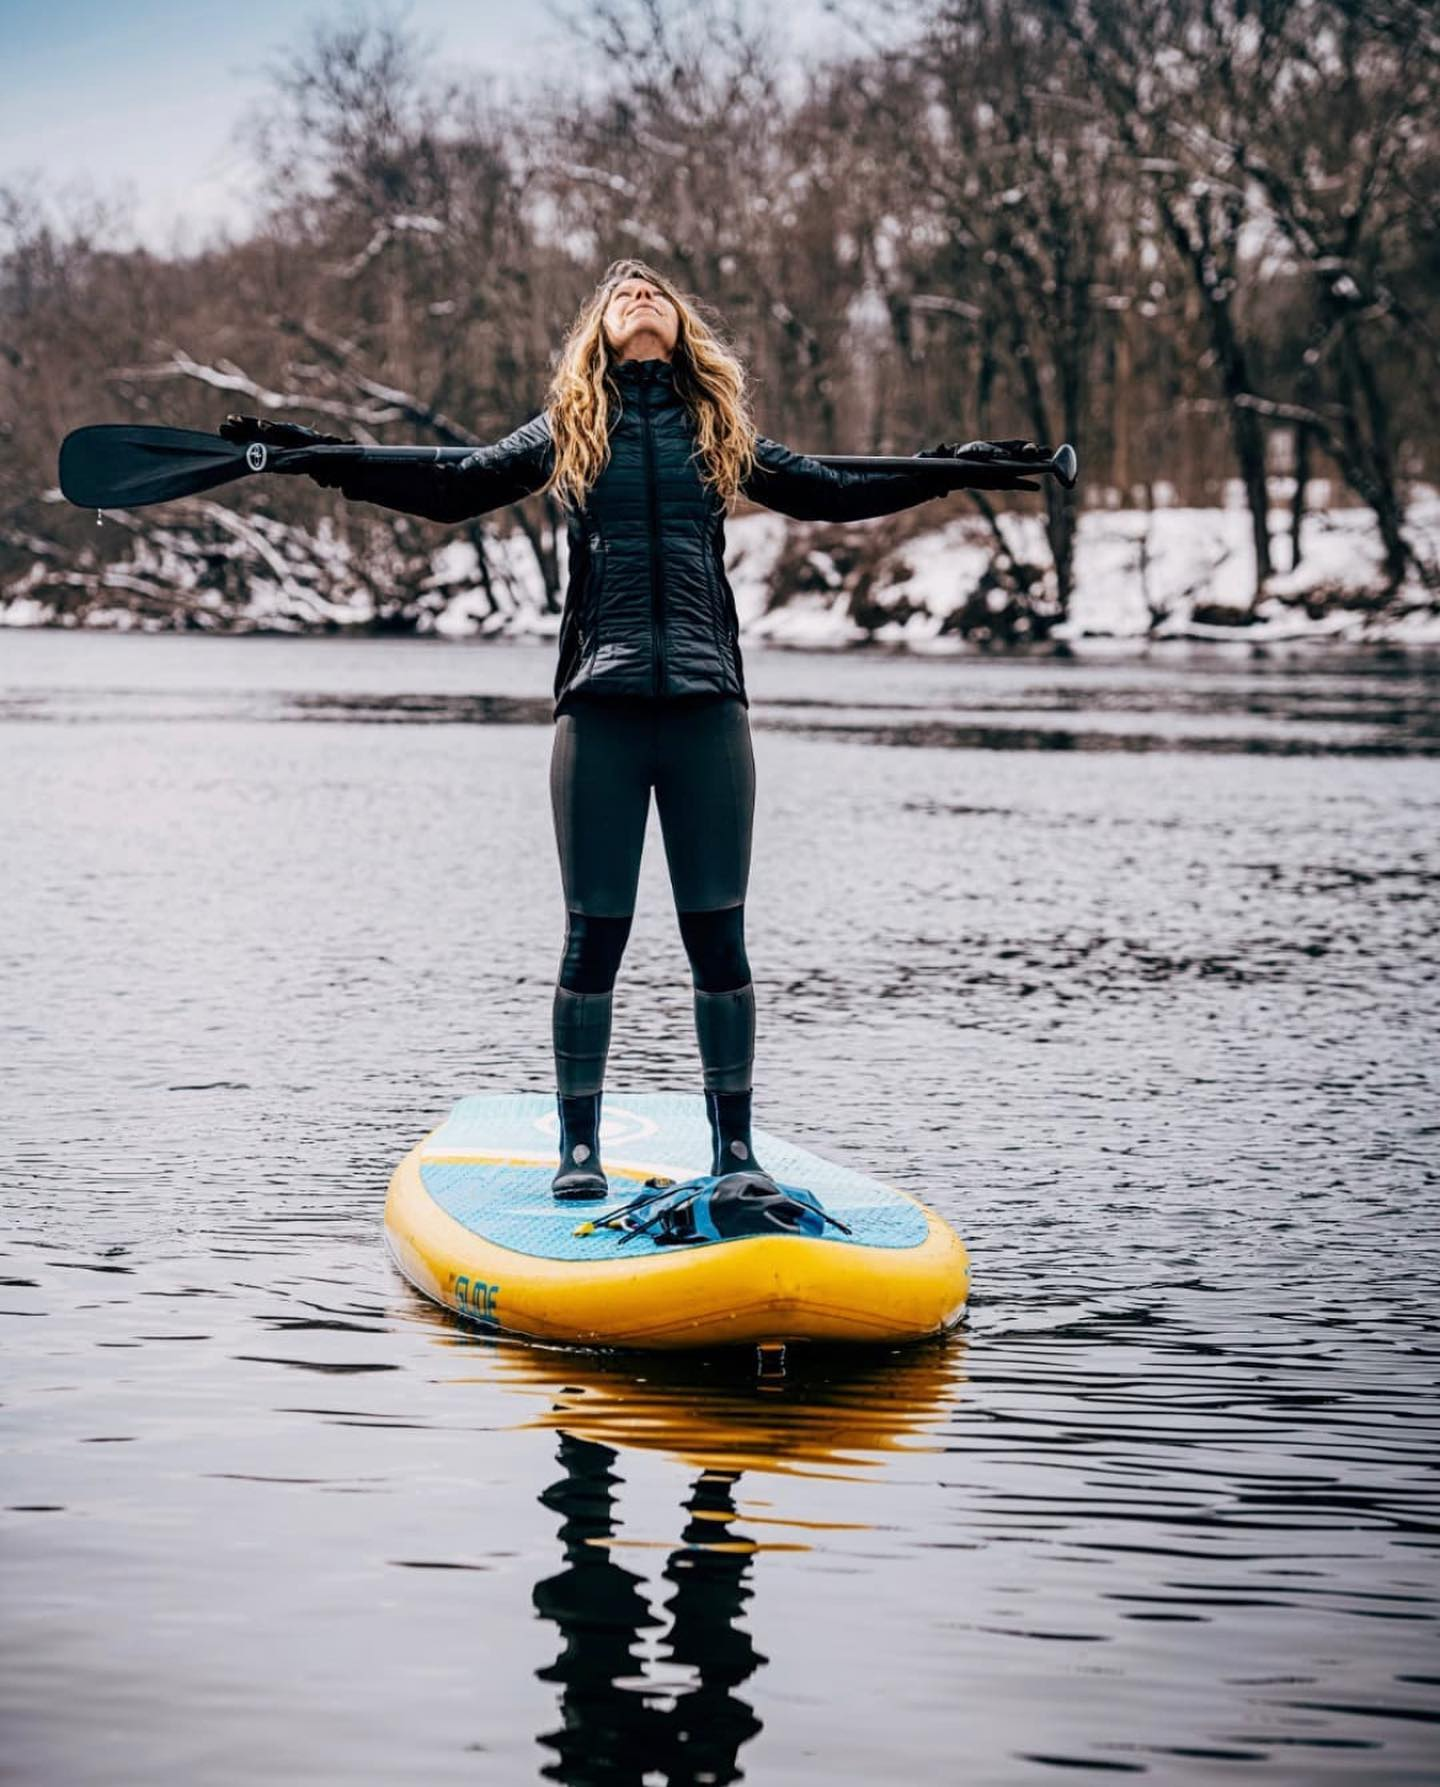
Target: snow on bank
(1138, 574)
(1161, 573)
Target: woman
(646, 440)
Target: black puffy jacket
(648, 610)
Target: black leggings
(606, 758)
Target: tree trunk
(1375, 454)
(1297, 504)
(1246, 433)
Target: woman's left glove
(975, 453)
(245, 429)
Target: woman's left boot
(580, 1175)
(731, 1150)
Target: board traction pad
(664, 1133)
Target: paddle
(120, 465)
(1061, 465)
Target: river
(1128, 965)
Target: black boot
(731, 1150)
(580, 1174)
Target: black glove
(975, 453)
(245, 429)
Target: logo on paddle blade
(255, 456)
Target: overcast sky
(141, 98)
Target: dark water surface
(1130, 968)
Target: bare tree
(1171, 230)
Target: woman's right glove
(977, 452)
(245, 429)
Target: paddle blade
(115, 465)
(1065, 466)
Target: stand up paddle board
(471, 1221)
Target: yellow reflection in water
(833, 1413)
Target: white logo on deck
(618, 1127)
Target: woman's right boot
(580, 1175)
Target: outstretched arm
(486, 479)
(802, 487)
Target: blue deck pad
(663, 1132)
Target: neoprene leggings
(606, 758)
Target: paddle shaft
(1060, 465)
(126, 466)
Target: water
(1149, 1014)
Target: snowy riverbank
(1166, 573)
(1161, 573)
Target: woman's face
(640, 321)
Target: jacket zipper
(657, 586)
(719, 620)
(594, 596)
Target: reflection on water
(961, 735)
(1154, 1028)
(830, 1412)
(1380, 705)
(617, 1724)
(676, 1715)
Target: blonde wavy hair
(584, 394)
